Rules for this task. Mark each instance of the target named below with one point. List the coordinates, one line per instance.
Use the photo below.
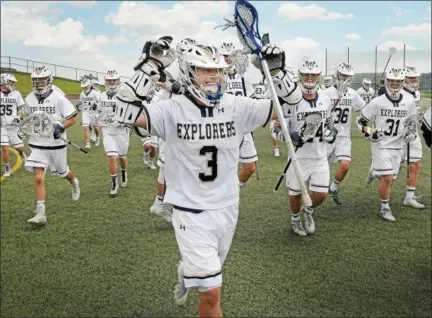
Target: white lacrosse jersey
(106, 107)
(88, 100)
(234, 85)
(416, 95)
(367, 95)
(389, 116)
(315, 148)
(343, 111)
(202, 147)
(10, 102)
(58, 107)
(55, 88)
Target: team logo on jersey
(394, 112)
(221, 110)
(220, 130)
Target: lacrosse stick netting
(246, 21)
(240, 60)
(37, 124)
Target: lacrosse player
(382, 88)
(326, 83)
(345, 100)
(312, 153)
(411, 85)
(49, 150)
(427, 127)
(203, 129)
(388, 113)
(12, 103)
(366, 91)
(115, 135)
(90, 100)
(150, 143)
(235, 85)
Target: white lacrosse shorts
(87, 117)
(316, 172)
(340, 149)
(204, 240)
(9, 136)
(416, 151)
(45, 158)
(153, 140)
(385, 161)
(161, 155)
(116, 145)
(248, 151)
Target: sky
(102, 35)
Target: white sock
(295, 216)
(308, 210)
(7, 166)
(410, 193)
(333, 185)
(241, 184)
(41, 203)
(385, 204)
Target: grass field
(107, 257)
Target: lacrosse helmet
(308, 76)
(112, 81)
(195, 73)
(8, 81)
(42, 80)
(327, 81)
(86, 85)
(366, 83)
(412, 78)
(344, 75)
(184, 45)
(95, 84)
(394, 82)
(226, 49)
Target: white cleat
(146, 157)
(151, 165)
(87, 146)
(387, 215)
(162, 209)
(370, 177)
(276, 152)
(7, 172)
(97, 142)
(40, 217)
(297, 227)
(309, 222)
(76, 192)
(114, 188)
(124, 179)
(413, 203)
(180, 290)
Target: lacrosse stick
(308, 131)
(246, 22)
(391, 51)
(40, 124)
(412, 123)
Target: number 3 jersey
(202, 146)
(9, 107)
(106, 107)
(343, 111)
(314, 148)
(389, 116)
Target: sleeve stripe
(270, 113)
(74, 114)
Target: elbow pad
(143, 80)
(287, 88)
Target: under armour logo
(221, 110)
(182, 227)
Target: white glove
(159, 51)
(274, 55)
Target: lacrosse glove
(330, 135)
(274, 55)
(58, 131)
(94, 107)
(297, 139)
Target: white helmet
(366, 83)
(226, 48)
(9, 81)
(86, 85)
(184, 45)
(38, 76)
(307, 68)
(394, 82)
(204, 57)
(344, 76)
(112, 81)
(95, 83)
(327, 81)
(412, 78)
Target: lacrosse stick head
(37, 124)
(412, 122)
(240, 61)
(311, 125)
(246, 21)
(391, 51)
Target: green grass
(426, 95)
(25, 85)
(108, 257)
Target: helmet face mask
(86, 86)
(367, 83)
(226, 49)
(41, 80)
(8, 83)
(412, 78)
(394, 82)
(344, 76)
(309, 74)
(112, 81)
(327, 81)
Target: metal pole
(376, 65)
(348, 55)
(27, 66)
(404, 56)
(10, 64)
(325, 61)
(55, 70)
(76, 74)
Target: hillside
(425, 82)
(70, 87)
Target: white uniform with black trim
(248, 153)
(47, 151)
(389, 116)
(366, 95)
(115, 135)
(10, 102)
(416, 149)
(202, 144)
(342, 113)
(313, 154)
(88, 101)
